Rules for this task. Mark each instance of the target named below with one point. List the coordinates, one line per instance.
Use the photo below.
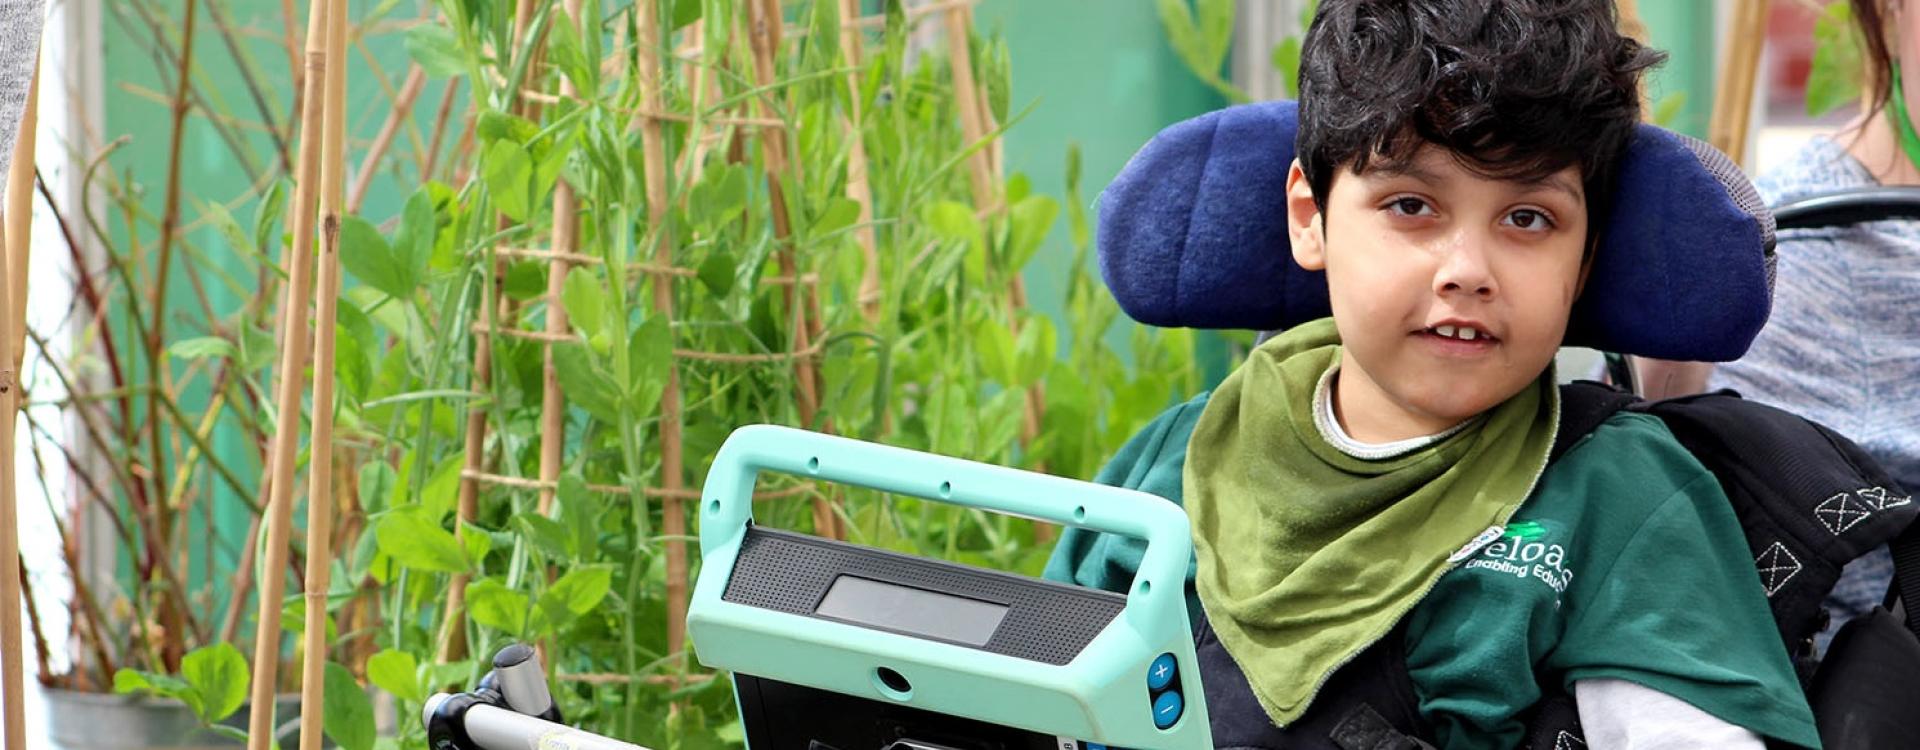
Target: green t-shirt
(1626, 562)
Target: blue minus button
(1166, 709)
(1160, 673)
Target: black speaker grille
(1045, 622)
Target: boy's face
(1450, 290)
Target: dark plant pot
(98, 721)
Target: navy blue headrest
(1193, 234)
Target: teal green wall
(1104, 78)
(1684, 30)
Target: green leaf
(575, 594)
(494, 605)
(267, 214)
(994, 343)
(204, 346)
(839, 214)
(398, 673)
(219, 674)
(1078, 227)
(685, 12)
(437, 498)
(1036, 349)
(348, 714)
(1835, 76)
(495, 125)
(436, 49)
(444, 675)
(998, 71)
(585, 300)
(955, 221)
(564, 48)
(376, 486)
(413, 241)
(525, 280)
(476, 543)
(580, 510)
(545, 534)
(650, 358)
(222, 219)
(509, 177)
(584, 383)
(719, 197)
(716, 272)
(365, 254)
(416, 542)
(126, 681)
(1032, 219)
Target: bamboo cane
(653, 148)
(333, 165)
(286, 437)
(19, 209)
(453, 643)
(858, 188)
(976, 121)
(566, 234)
(12, 668)
(764, 39)
(1733, 101)
(18, 220)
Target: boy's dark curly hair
(1516, 89)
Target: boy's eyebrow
(1556, 182)
(1404, 168)
(1412, 169)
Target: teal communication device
(836, 646)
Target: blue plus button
(1166, 709)
(1160, 673)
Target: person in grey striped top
(1842, 347)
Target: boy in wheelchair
(1384, 551)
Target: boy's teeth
(1467, 334)
(1446, 331)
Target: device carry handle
(727, 500)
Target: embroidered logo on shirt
(1483, 539)
(1524, 551)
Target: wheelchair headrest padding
(1193, 233)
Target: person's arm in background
(20, 22)
(1662, 378)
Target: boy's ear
(1304, 226)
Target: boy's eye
(1408, 207)
(1529, 219)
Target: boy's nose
(1464, 268)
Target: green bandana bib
(1308, 555)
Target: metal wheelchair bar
(1851, 206)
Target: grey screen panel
(1045, 621)
(912, 610)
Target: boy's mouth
(1460, 332)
